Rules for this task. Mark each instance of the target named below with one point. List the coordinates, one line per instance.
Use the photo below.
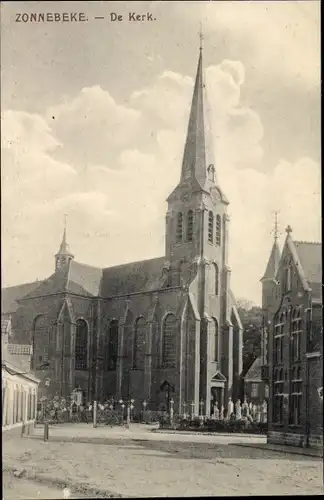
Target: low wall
(295, 439)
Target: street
(141, 463)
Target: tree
(251, 319)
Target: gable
(218, 377)
(254, 373)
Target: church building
(292, 343)
(150, 330)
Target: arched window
(40, 342)
(128, 334)
(216, 279)
(111, 351)
(190, 225)
(218, 230)
(139, 344)
(81, 345)
(169, 341)
(214, 340)
(210, 227)
(179, 227)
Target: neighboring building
(255, 388)
(19, 385)
(160, 328)
(293, 343)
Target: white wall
(19, 400)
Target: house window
(210, 227)
(179, 227)
(81, 345)
(218, 230)
(295, 399)
(139, 344)
(254, 390)
(216, 279)
(169, 341)
(278, 340)
(111, 350)
(190, 225)
(296, 331)
(279, 381)
(286, 282)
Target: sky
(94, 117)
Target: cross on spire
(201, 37)
(288, 229)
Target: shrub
(112, 417)
(163, 419)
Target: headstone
(245, 408)
(264, 412)
(230, 407)
(238, 410)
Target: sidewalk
(103, 434)
(310, 452)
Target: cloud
(281, 39)
(111, 165)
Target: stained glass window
(81, 345)
(40, 342)
(111, 350)
(139, 344)
(169, 341)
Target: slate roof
(254, 372)
(82, 279)
(310, 256)
(11, 294)
(273, 262)
(142, 276)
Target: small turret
(64, 255)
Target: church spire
(273, 262)
(198, 158)
(64, 255)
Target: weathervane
(275, 230)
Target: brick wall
(287, 438)
(295, 439)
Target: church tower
(269, 286)
(197, 244)
(64, 255)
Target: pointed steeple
(198, 159)
(273, 262)
(64, 255)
